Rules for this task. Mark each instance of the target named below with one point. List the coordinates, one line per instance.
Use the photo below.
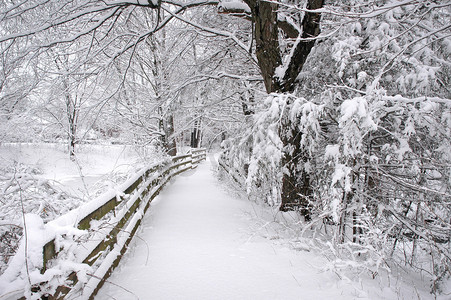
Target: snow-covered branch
(215, 31)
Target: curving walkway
(196, 243)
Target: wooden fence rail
(120, 214)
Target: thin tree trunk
(344, 217)
(171, 145)
(195, 134)
(72, 118)
(415, 236)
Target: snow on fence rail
(82, 247)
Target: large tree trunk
(296, 182)
(310, 30)
(296, 190)
(267, 42)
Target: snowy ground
(201, 242)
(93, 163)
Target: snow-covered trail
(196, 243)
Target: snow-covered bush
(263, 179)
(21, 193)
(390, 189)
(258, 153)
(379, 169)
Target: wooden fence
(122, 213)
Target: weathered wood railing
(121, 214)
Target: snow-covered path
(196, 243)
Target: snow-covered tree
(372, 111)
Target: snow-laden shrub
(379, 170)
(257, 155)
(264, 177)
(21, 192)
(389, 189)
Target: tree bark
(171, 145)
(72, 118)
(267, 42)
(296, 189)
(195, 135)
(266, 28)
(166, 126)
(310, 30)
